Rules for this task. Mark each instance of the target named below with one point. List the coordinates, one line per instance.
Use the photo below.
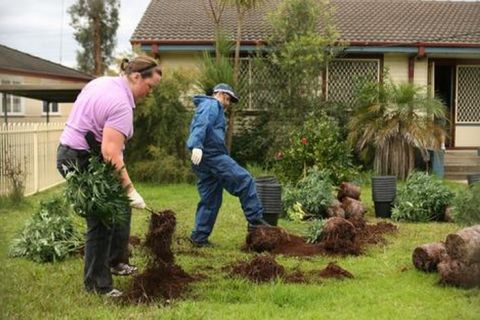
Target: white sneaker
(114, 293)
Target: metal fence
(31, 149)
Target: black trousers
(104, 247)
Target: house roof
(360, 22)
(15, 61)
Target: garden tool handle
(149, 209)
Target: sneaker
(257, 223)
(203, 244)
(123, 269)
(114, 293)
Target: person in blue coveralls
(215, 169)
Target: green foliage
(314, 233)
(296, 212)
(98, 191)
(219, 69)
(286, 81)
(49, 235)
(392, 120)
(316, 144)
(423, 198)
(161, 168)
(251, 144)
(161, 131)
(95, 23)
(466, 206)
(314, 193)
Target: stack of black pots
(384, 191)
(269, 192)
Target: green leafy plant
(98, 191)
(391, 120)
(315, 230)
(296, 212)
(313, 193)
(306, 149)
(466, 206)
(423, 198)
(49, 235)
(161, 131)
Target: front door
(467, 111)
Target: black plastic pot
(384, 191)
(473, 178)
(269, 192)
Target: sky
(41, 27)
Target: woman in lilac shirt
(102, 117)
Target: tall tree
(95, 23)
(214, 9)
(242, 7)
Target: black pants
(104, 247)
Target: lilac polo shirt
(103, 102)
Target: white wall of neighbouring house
(187, 62)
(32, 109)
(397, 66)
(420, 76)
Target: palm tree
(394, 119)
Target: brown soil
(341, 237)
(161, 279)
(264, 268)
(334, 271)
(349, 190)
(456, 273)
(261, 268)
(134, 240)
(426, 257)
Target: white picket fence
(33, 148)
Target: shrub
(49, 235)
(15, 173)
(161, 131)
(422, 198)
(314, 233)
(161, 168)
(317, 143)
(466, 206)
(313, 193)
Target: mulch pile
(162, 278)
(264, 268)
(345, 232)
(457, 260)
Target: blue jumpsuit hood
(207, 130)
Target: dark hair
(146, 66)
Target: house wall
(33, 109)
(188, 62)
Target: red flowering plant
(316, 144)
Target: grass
(386, 285)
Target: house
(435, 44)
(33, 89)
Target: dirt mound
(161, 278)
(261, 268)
(134, 241)
(334, 271)
(340, 237)
(278, 241)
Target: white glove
(136, 200)
(196, 156)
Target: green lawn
(386, 285)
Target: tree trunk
(428, 256)
(97, 46)
(349, 190)
(338, 229)
(457, 273)
(335, 210)
(465, 245)
(236, 71)
(353, 208)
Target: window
(14, 104)
(54, 109)
(343, 76)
